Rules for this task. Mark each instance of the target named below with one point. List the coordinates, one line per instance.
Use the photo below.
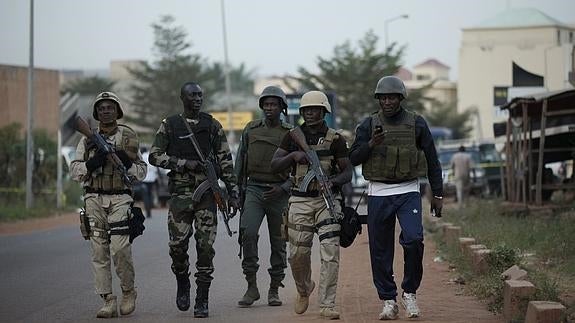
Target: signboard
(239, 119)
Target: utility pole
(231, 134)
(30, 117)
(385, 27)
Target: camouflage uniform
(257, 146)
(183, 212)
(107, 200)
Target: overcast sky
(272, 37)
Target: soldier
(173, 150)
(107, 201)
(396, 148)
(308, 212)
(266, 194)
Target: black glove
(436, 206)
(98, 160)
(126, 160)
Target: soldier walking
(266, 194)
(173, 150)
(308, 211)
(107, 202)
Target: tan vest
(326, 159)
(109, 178)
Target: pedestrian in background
(149, 184)
(108, 200)
(395, 148)
(461, 165)
(173, 150)
(266, 194)
(308, 213)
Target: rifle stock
(299, 138)
(84, 128)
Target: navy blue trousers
(381, 214)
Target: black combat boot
(183, 294)
(273, 293)
(252, 294)
(201, 307)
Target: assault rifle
(315, 172)
(102, 145)
(211, 182)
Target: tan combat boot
(302, 302)
(128, 304)
(110, 308)
(329, 313)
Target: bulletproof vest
(110, 179)
(262, 144)
(182, 147)
(326, 159)
(397, 159)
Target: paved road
(46, 276)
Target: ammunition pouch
(350, 226)
(84, 225)
(135, 224)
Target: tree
(446, 115)
(90, 86)
(156, 90)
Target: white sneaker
(390, 310)
(410, 304)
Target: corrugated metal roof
(518, 18)
(537, 97)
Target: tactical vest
(326, 159)
(397, 159)
(110, 179)
(262, 144)
(182, 147)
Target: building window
(422, 77)
(571, 37)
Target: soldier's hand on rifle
(234, 205)
(126, 160)
(299, 157)
(274, 192)
(98, 160)
(193, 165)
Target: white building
(517, 52)
(443, 90)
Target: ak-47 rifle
(96, 138)
(211, 182)
(315, 172)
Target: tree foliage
(446, 115)
(90, 86)
(156, 90)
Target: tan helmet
(390, 85)
(107, 96)
(314, 99)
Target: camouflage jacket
(184, 181)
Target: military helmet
(273, 91)
(107, 96)
(315, 98)
(390, 85)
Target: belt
(109, 192)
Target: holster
(84, 225)
(136, 223)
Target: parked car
(478, 179)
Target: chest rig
(262, 143)
(326, 160)
(181, 147)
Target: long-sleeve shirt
(360, 151)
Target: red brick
(544, 312)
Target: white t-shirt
(383, 189)
(152, 174)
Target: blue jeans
(381, 214)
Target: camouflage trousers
(183, 219)
(103, 210)
(305, 213)
(254, 210)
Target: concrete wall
(486, 57)
(14, 98)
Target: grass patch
(543, 245)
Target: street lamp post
(386, 22)
(231, 134)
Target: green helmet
(315, 98)
(107, 96)
(390, 85)
(273, 91)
